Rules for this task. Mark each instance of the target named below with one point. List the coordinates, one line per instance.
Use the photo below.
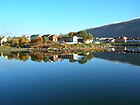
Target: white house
(112, 40)
(76, 39)
(75, 56)
(97, 42)
(3, 40)
(72, 40)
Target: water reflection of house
(125, 49)
(120, 49)
(75, 56)
(112, 50)
(69, 56)
(13, 55)
(54, 58)
(132, 48)
(3, 55)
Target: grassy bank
(57, 48)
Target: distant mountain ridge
(128, 28)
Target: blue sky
(62, 16)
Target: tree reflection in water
(81, 58)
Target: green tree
(72, 60)
(0, 37)
(90, 56)
(44, 38)
(84, 34)
(83, 60)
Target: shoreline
(7, 49)
(58, 49)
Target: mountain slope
(118, 57)
(128, 28)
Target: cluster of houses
(75, 39)
(120, 39)
(55, 38)
(48, 37)
(66, 39)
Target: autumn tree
(23, 40)
(39, 40)
(72, 34)
(14, 42)
(61, 38)
(24, 57)
(36, 39)
(37, 57)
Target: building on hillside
(50, 37)
(121, 39)
(46, 36)
(111, 40)
(107, 40)
(133, 40)
(130, 40)
(96, 41)
(88, 41)
(2, 41)
(36, 39)
(33, 37)
(53, 38)
(80, 40)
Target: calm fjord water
(94, 81)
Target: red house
(53, 38)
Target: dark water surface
(70, 79)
